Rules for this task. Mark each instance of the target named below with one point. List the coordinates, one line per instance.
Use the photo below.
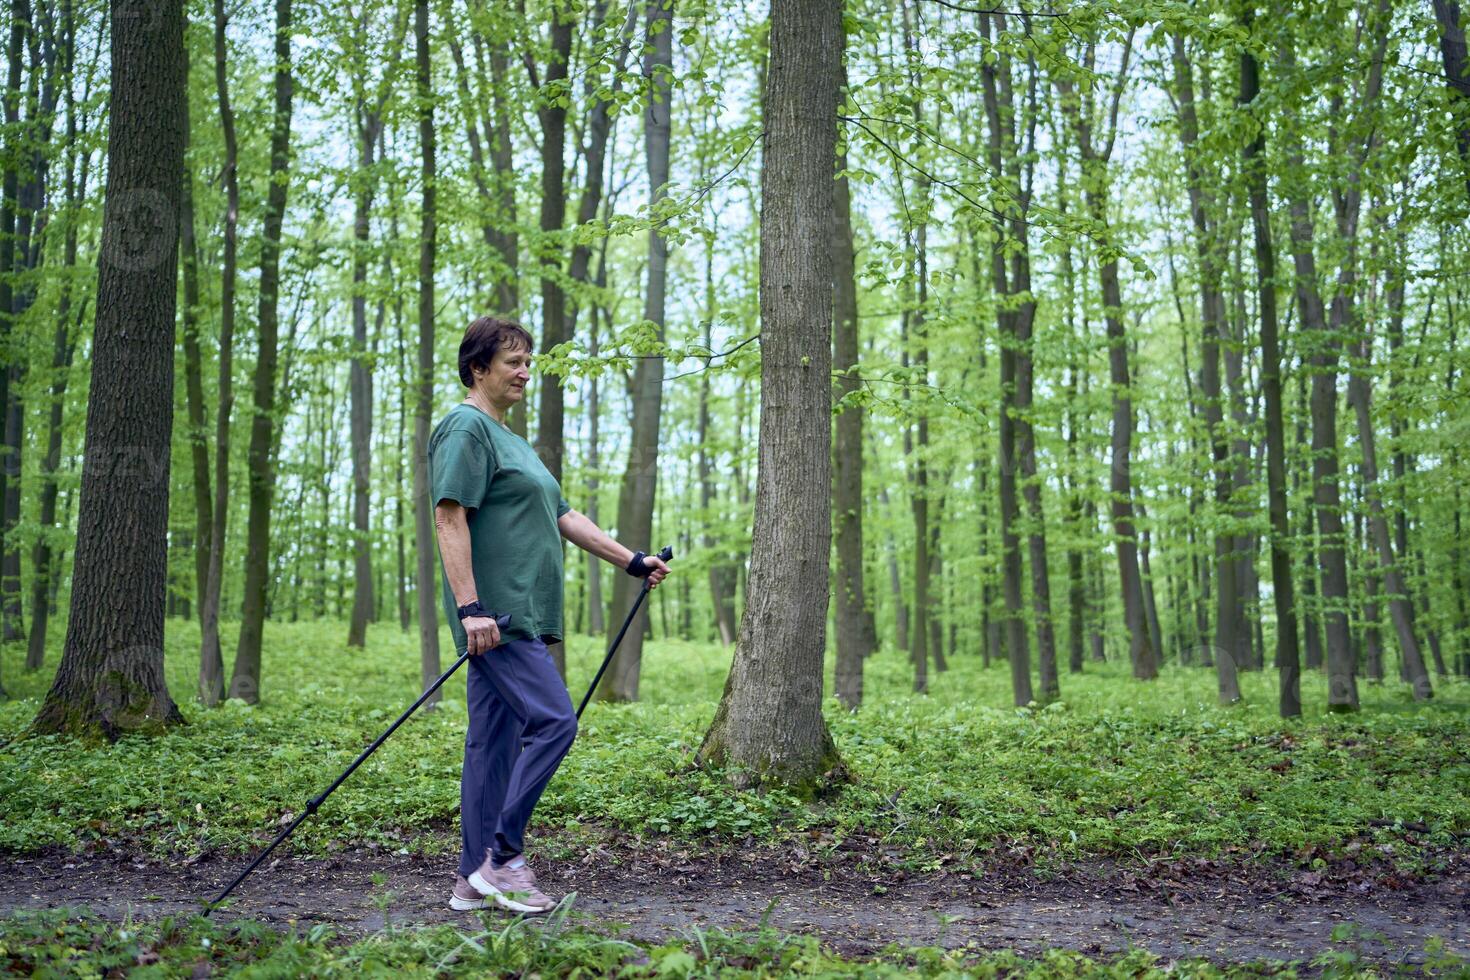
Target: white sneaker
(464, 897)
(512, 886)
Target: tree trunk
(1288, 657)
(1320, 350)
(1000, 115)
(423, 507)
(46, 567)
(640, 479)
(1240, 493)
(211, 687)
(360, 381)
(1456, 73)
(400, 520)
(1229, 612)
(15, 54)
(245, 678)
(549, 420)
(1095, 192)
(769, 726)
(1046, 649)
(367, 123)
(1400, 606)
(111, 678)
(895, 581)
(856, 636)
(721, 581)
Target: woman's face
(504, 381)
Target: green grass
(70, 943)
(1117, 769)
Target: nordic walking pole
(311, 805)
(666, 555)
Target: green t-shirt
(513, 503)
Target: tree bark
(769, 726)
(640, 479)
(1229, 603)
(245, 677)
(423, 508)
(856, 636)
(1288, 657)
(549, 442)
(721, 577)
(15, 223)
(198, 434)
(1095, 192)
(1456, 71)
(1011, 307)
(45, 565)
(1400, 605)
(368, 125)
(111, 678)
(211, 687)
(1322, 354)
(495, 185)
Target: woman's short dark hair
(483, 338)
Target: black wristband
(636, 566)
(472, 608)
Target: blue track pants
(521, 726)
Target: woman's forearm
(452, 528)
(580, 531)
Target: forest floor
(856, 901)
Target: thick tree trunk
(769, 726)
(211, 656)
(423, 508)
(640, 479)
(111, 677)
(1288, 657)
(245, 677)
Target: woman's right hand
(482, 634)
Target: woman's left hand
(658, 569)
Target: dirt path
(1238, 914)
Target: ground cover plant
(73, 943)
(943, 778)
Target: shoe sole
(479, 884)
(467, 904)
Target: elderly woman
(499, 516)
